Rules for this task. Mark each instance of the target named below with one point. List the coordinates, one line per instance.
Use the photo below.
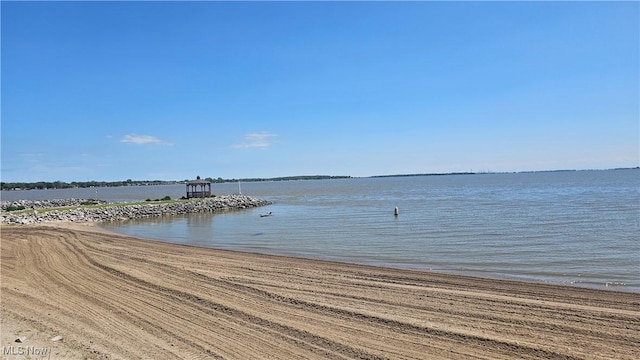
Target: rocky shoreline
(43, 204)
(38, 211)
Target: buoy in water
(395, 211)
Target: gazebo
(198, 188)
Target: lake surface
(577, 227)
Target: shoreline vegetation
(89, 184)
(85, 293)
(16, 186)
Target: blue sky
(171, 90)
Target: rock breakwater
(43, 204)
(99, 211)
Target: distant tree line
(284, 178)
(129, 182)
(77, 184)
(428, 174)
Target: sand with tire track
(118, 297)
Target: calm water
(578, 228)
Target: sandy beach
(111, 296)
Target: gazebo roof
(198, 181)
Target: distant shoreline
(501, 172)
(42, 185)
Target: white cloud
(261, 139)
(143, 140)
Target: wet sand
(112, 296)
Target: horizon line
(310, 177)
